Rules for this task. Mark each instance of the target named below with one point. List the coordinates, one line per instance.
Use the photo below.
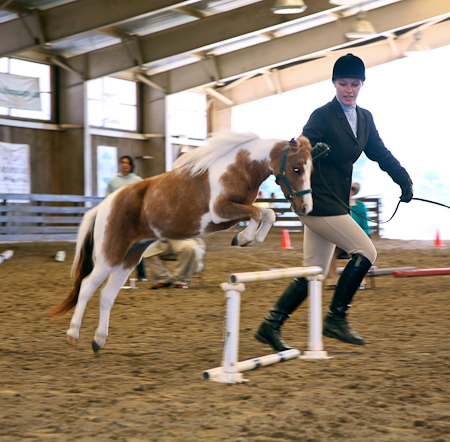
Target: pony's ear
(302, 141)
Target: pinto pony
(211, 188)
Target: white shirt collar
(346, 108)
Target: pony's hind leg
(107, 297)
(87, 289)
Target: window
(187, 115)
(29, 69)
(112, 103)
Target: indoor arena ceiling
(176, 45)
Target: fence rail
(41, 217)
(285, 217)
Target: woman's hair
(129, 159)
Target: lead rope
(376, 222)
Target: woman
(349, 130)
(123, 178)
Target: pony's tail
(83, 263)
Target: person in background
(189, 255)
(273, 197)
(261, 204)
(348, 130)
(124, 177)
(359, 213)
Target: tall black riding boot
(336, 324)
(269, 330)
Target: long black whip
(376, 222)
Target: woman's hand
(407, 191)
(319, 151)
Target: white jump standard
(231, 370)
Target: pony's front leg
(247, 235)
(260, 223)
(107, 297)
(268, 218)
(87, 289)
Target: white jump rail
(231, 370)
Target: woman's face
(125, 166)
(347, 90)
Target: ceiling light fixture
(288, 7)
(417, 46)
(361, 27)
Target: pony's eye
(296, 170)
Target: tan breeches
(189, 254)
(324, 233)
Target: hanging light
(361, 27)
(417, 46)
(288, 7)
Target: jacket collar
(343, 119)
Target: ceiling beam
(202, 34)
(219, 96)
(193, 12)
(12, 6)
(5, 4)
(79, 17)
(272, 78)
(237, 82)
(85, 17)
(305, 74)
(68, 68)
(40, 26)
(114, 32)
(273, 53)
(221, 28)
(306, 44)
(148, 82)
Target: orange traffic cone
(285, 241)
(438, 241)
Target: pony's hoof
(234, 241)
(72, 341)
(95, 347)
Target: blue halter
(282, 176)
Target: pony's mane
(218, 145)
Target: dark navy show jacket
(329, 125)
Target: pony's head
(291, 164)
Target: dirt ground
(145, 384)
